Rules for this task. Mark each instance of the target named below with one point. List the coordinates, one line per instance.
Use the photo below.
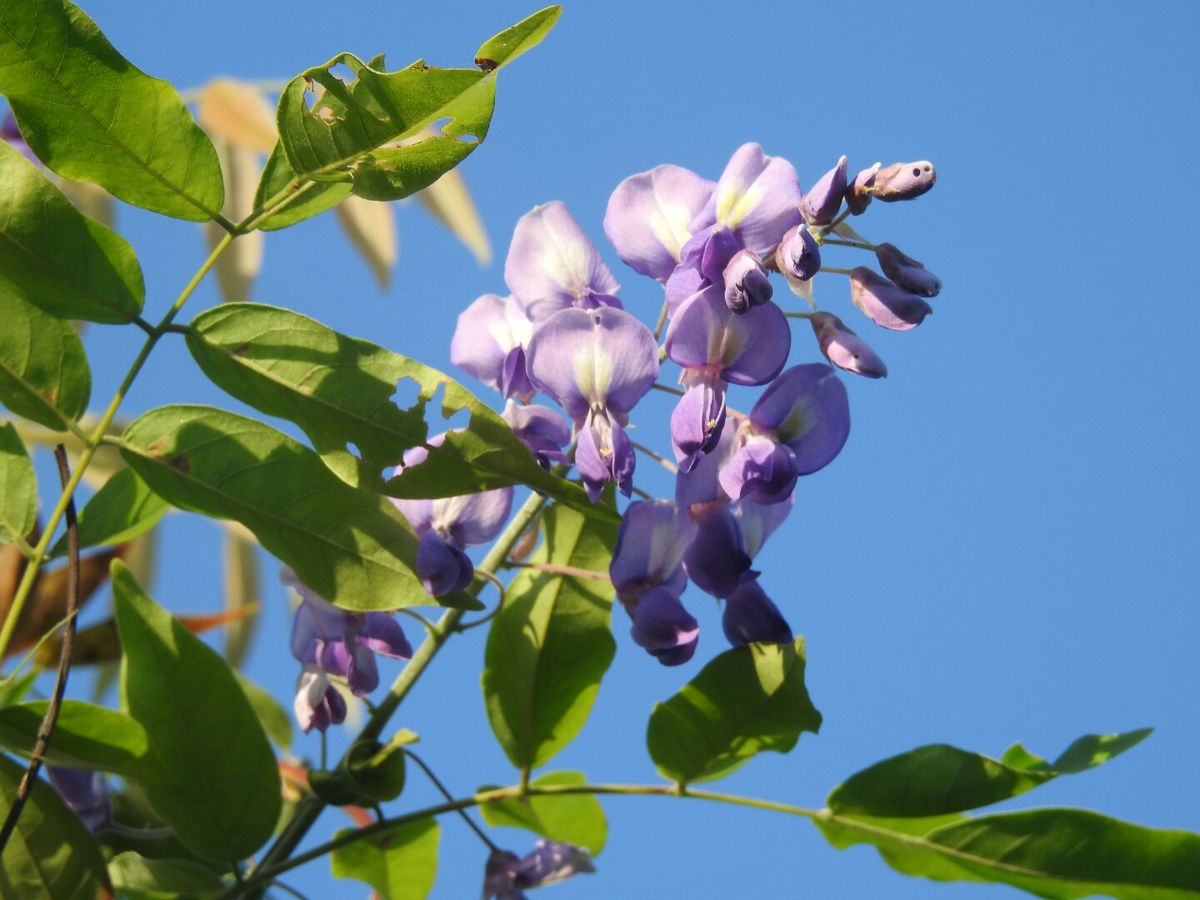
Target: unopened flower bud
(903, 181)
(823, 200)
(798, 254)
(858, 193)
(844, 348)
(884, 303)
(747, 283)
(906, 272)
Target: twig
(46, 729)
(445, 793)
(560, 570)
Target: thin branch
(667, 389)
(556, 569)
(445, 793)
(488, 576)
(656, 456)
(46, 729)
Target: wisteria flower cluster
(712, 247)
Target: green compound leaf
(51, 855)
(340, 390)
(747, 700)
(44, 373)
(550, 644)
(1056, 853)
(137, 878)
(85, 737)
(572, 818)
(939, 779)
(92, 116)
(506, 46)
(18, 487)
(400, 863)
(350, 546)
(54, 258)
(223, 797)
(121, 510)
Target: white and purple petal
(471, 519)
(488, 341)
(552, 264)
(807, 409)
(757, 197)
(746, 349)
(648, 216)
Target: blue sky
(1006, 550)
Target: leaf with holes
(339, 390)
(92, 116)
(57, 260)
(223, 798)
(550, 644)
(747, 700)
(18, 487)
(44, 373)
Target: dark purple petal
(648, 216)
(664, 628)
(86, 792)
(906, 272)
(824, 199)
(352, 661)
(487, 334)
(550, 862)
(552, 264)
(442, 567)
(844, 348)
(798, 255)
(716, 559)
(603, 453)
(382, 634)
(499, 875)
(805, 408)
(761, 470)
(540, 429)
(720, 247)
(584, 359)
(696, 421)
(903, 181)
(858, 193)
(750, 617)
(757, 197)
(514, 380)
(884, 303)
(746, 282)
(650, 546)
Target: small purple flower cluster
(712, 246)
(507, 875)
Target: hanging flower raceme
(448, 525)
(332, 641)
(596, 364)
(507, 875)
(799, 424)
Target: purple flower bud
(86, 792)
(903, 181)
(499, 875)
(858, 193)
(906, 272)
(824, 199)
(697, 420)
(664, 628)
(650, 546)
(551, 862)
(750, 617)
(540, 429)
(746, 282)
(844, 348)
(798, 254)
(318, 704)
(884, 303)
(648, 216)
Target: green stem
(798, 315)
(835, 270)
(861, 245)
(93, 441)
(497, 795)
(439, 632)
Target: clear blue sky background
(1006, 550)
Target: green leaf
(92, 116)
(352, 547)
(1057, 853)
(138, 878)
(939, 779)
(59, 261)
(572, 818)
(85, 737)
(550, 644)
(121, 510)
(746, 700)
(51, 854)
(400, 863)
(313, 198)
(14, 688)
(18, 487)
(224, 797)
(378, 770)
(275, 720)
(518, 39)
(44, 374)
(339, 390)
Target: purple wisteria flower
(799, 424)
(489, 343)
(662, 627)
(824, 199)
(506, 874)
(86, 792)
(798, 256)
(540, 429)
(884, 303)
(906, 272)
(844, 348)
(596, 364)
(649, 216)
(332, 641)
(858, 192)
